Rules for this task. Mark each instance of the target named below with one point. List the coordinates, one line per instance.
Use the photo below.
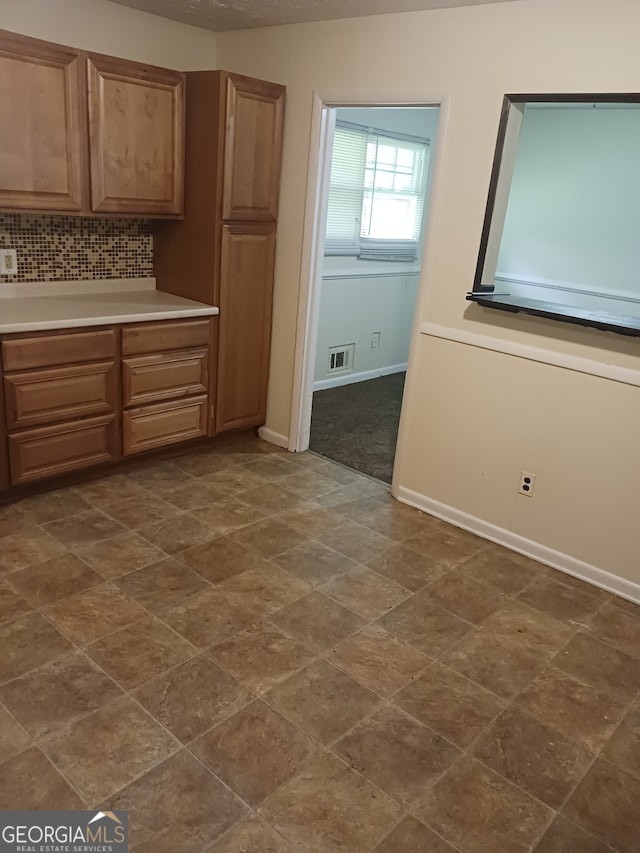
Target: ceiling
(221, 15)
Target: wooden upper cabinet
(82, 133)
(43, 148)
(136, 126)
(253, 146)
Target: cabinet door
(42, 126)
(136, 125)
(246, 290)
(164, 376)
(253, 146)
(54, 450)
(4, 458)
(151, 427)
(55, 350)
(50, 396)
(146, 338)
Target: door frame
(318, 175)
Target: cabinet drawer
(151, 378)
(56, 350)
(52, 451)
(50, 396)
(164, 337)
(167, 423)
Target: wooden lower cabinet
(55, 350)
(150, 427)
(56, 450)
(73, 400)
(165, 376)
(50, 396)
(168, 336)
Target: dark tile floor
(257, 651)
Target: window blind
(376, 194)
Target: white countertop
(70, 305)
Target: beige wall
(474, 417)
(106, 27)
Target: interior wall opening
(379, 161)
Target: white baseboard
(273, 437)
(362, 376)
(556, 559)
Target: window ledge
(370, 269)
(620, 324)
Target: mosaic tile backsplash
(71, 248)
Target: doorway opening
(375, 178)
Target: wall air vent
(341, 359)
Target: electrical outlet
(8, 261)
(527, 483)
(375, 340)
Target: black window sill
(622, 325)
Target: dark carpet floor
(357, 424)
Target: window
(560, 238)
(376, 194)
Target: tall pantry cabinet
(222, 253)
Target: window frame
(484, 293)
(379, 248)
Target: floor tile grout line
(40, 743)
(387, 697)
(360, 568)
(62, 774)
(252, 809)
(5, 707)
(82, 646)
(127, 691)
(127, 694)
(36, 739)
(75, 648)
(285, 605)
(559, 809)
(526, 713)
(348, 768)
(505, 702)
(468, 755)
(329, 747)
(573, 790)
(131, 690)
(402, 819)
(552, 662)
